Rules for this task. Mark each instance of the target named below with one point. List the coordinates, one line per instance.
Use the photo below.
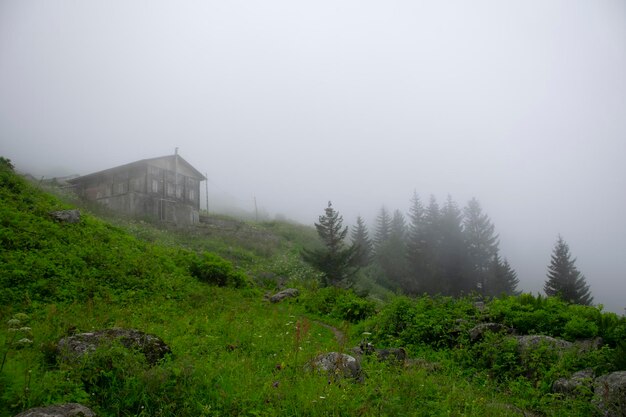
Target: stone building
(166, 188)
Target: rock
(610, 394)
(392, 355)
(588, 345)
(478, 332)
(530, 342)
(421, 363)
(66, 216)
(72, 348)
(364, 348)
(61, 410)
(286, 293)
(395, 355)
(338, 365)
(532, 347)
(578, 380)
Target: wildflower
(14, 323)
(20, 317)
(23, 342)
(26, 330)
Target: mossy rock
(72, 348)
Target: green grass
(233, 352)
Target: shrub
(212, 269)
(339, 303)
(579, 328)
(434, 321)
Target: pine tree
(398, 227)
(501, 278)
(392, 254)
(564, 279)
(481, 242)
(416, 249)
(336, 261)
(361, 240)
(452, 252)
(429, 273)
(510, 280)
(416, 226)
(383, 228)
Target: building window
(120, 188)
(192, 195)
(155, 186)
(170, 189)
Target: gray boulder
(66, 216)
(610, 394)
(570, 386)
(588, 345)
(72, 348)
(337, 365)
(530, 342)
(478, 332)
(61, 410)
(392, 355)
(286, 293)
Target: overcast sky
(521, 104)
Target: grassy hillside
(233, 352)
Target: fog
(521, 104)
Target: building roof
(148, 161)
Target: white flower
(23, 342)
(14, 323)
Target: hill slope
(233, 352)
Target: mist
(520, 104)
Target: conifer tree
(416, 225)
(501, 279)
(416, 249)
(392, 253)
(564, 279)
(362, 242)
(481, 243)
(398, 227)
(383, 228)
(510, 280)
(429, 274)
(336, 260)
(452, 252)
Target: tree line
(432, 249)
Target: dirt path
(339, 335)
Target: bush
(579, 328)
(212, 269)
(339, 303)
(434, 321)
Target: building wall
(151, 190)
